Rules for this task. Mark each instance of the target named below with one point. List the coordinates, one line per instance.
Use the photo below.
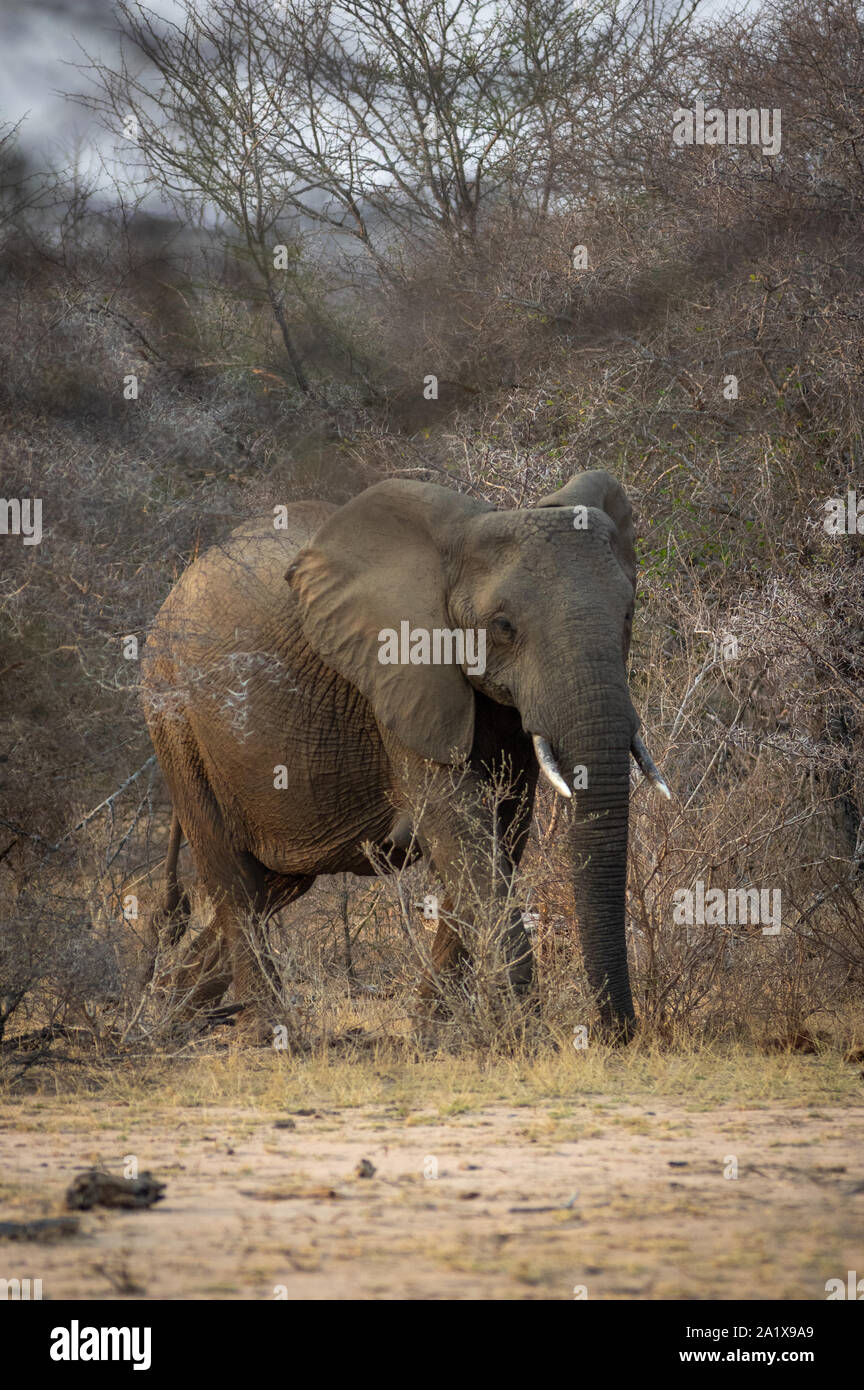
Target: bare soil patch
(502, 1202)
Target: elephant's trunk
(598, 841)
(592, 745)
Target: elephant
(296, 736)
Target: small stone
(365, 1169)
(94, 1188)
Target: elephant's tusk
(549, 767)
(648, 766)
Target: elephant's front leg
(449, 954)
(467, 840)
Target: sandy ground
(625, 1201)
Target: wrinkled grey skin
(266, 655)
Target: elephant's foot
(195, 988)
(257, 986)
(441, 993)
(436, 996)
(199, 979)
(617, 1032)
(255, 1029)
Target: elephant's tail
(172, 918)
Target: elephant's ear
(598, 488)
(376, 563)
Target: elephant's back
(234, 595)
(258, 551)
(239, 577)
(290, 527)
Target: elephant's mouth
(551, 771)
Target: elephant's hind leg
(173, 917)
(254, 975)
(170, 921)
(205, 972)
(233, 949)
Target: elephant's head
(552, 587)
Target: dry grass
(370, 1069)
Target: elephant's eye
(502, 626)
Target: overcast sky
(36, 36)
(37, 40)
